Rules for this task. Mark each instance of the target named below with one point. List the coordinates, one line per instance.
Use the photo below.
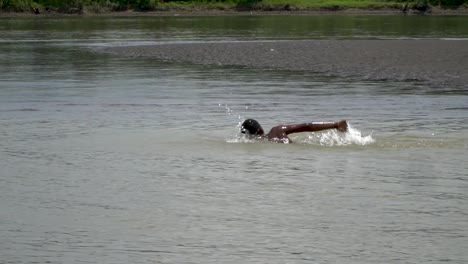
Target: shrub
(449, 3)
(247, 4)
(146, 5)
(16, 5)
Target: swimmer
(279, 134)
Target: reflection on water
(78, 31)
(119, 160)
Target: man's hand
(342, 126)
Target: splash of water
(336, 138)
(242, 139)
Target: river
(114, 159)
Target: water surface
(107, 159)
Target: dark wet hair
(252, 127)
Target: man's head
(252, 127)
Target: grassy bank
(104, 6)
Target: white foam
(336, 138)
(242, 139)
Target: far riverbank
(204, 11)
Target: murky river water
(107, 159)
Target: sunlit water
(118, 160)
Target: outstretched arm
(312, 127)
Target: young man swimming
(279, 134)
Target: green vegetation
(98, 6)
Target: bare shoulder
(277, 131)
